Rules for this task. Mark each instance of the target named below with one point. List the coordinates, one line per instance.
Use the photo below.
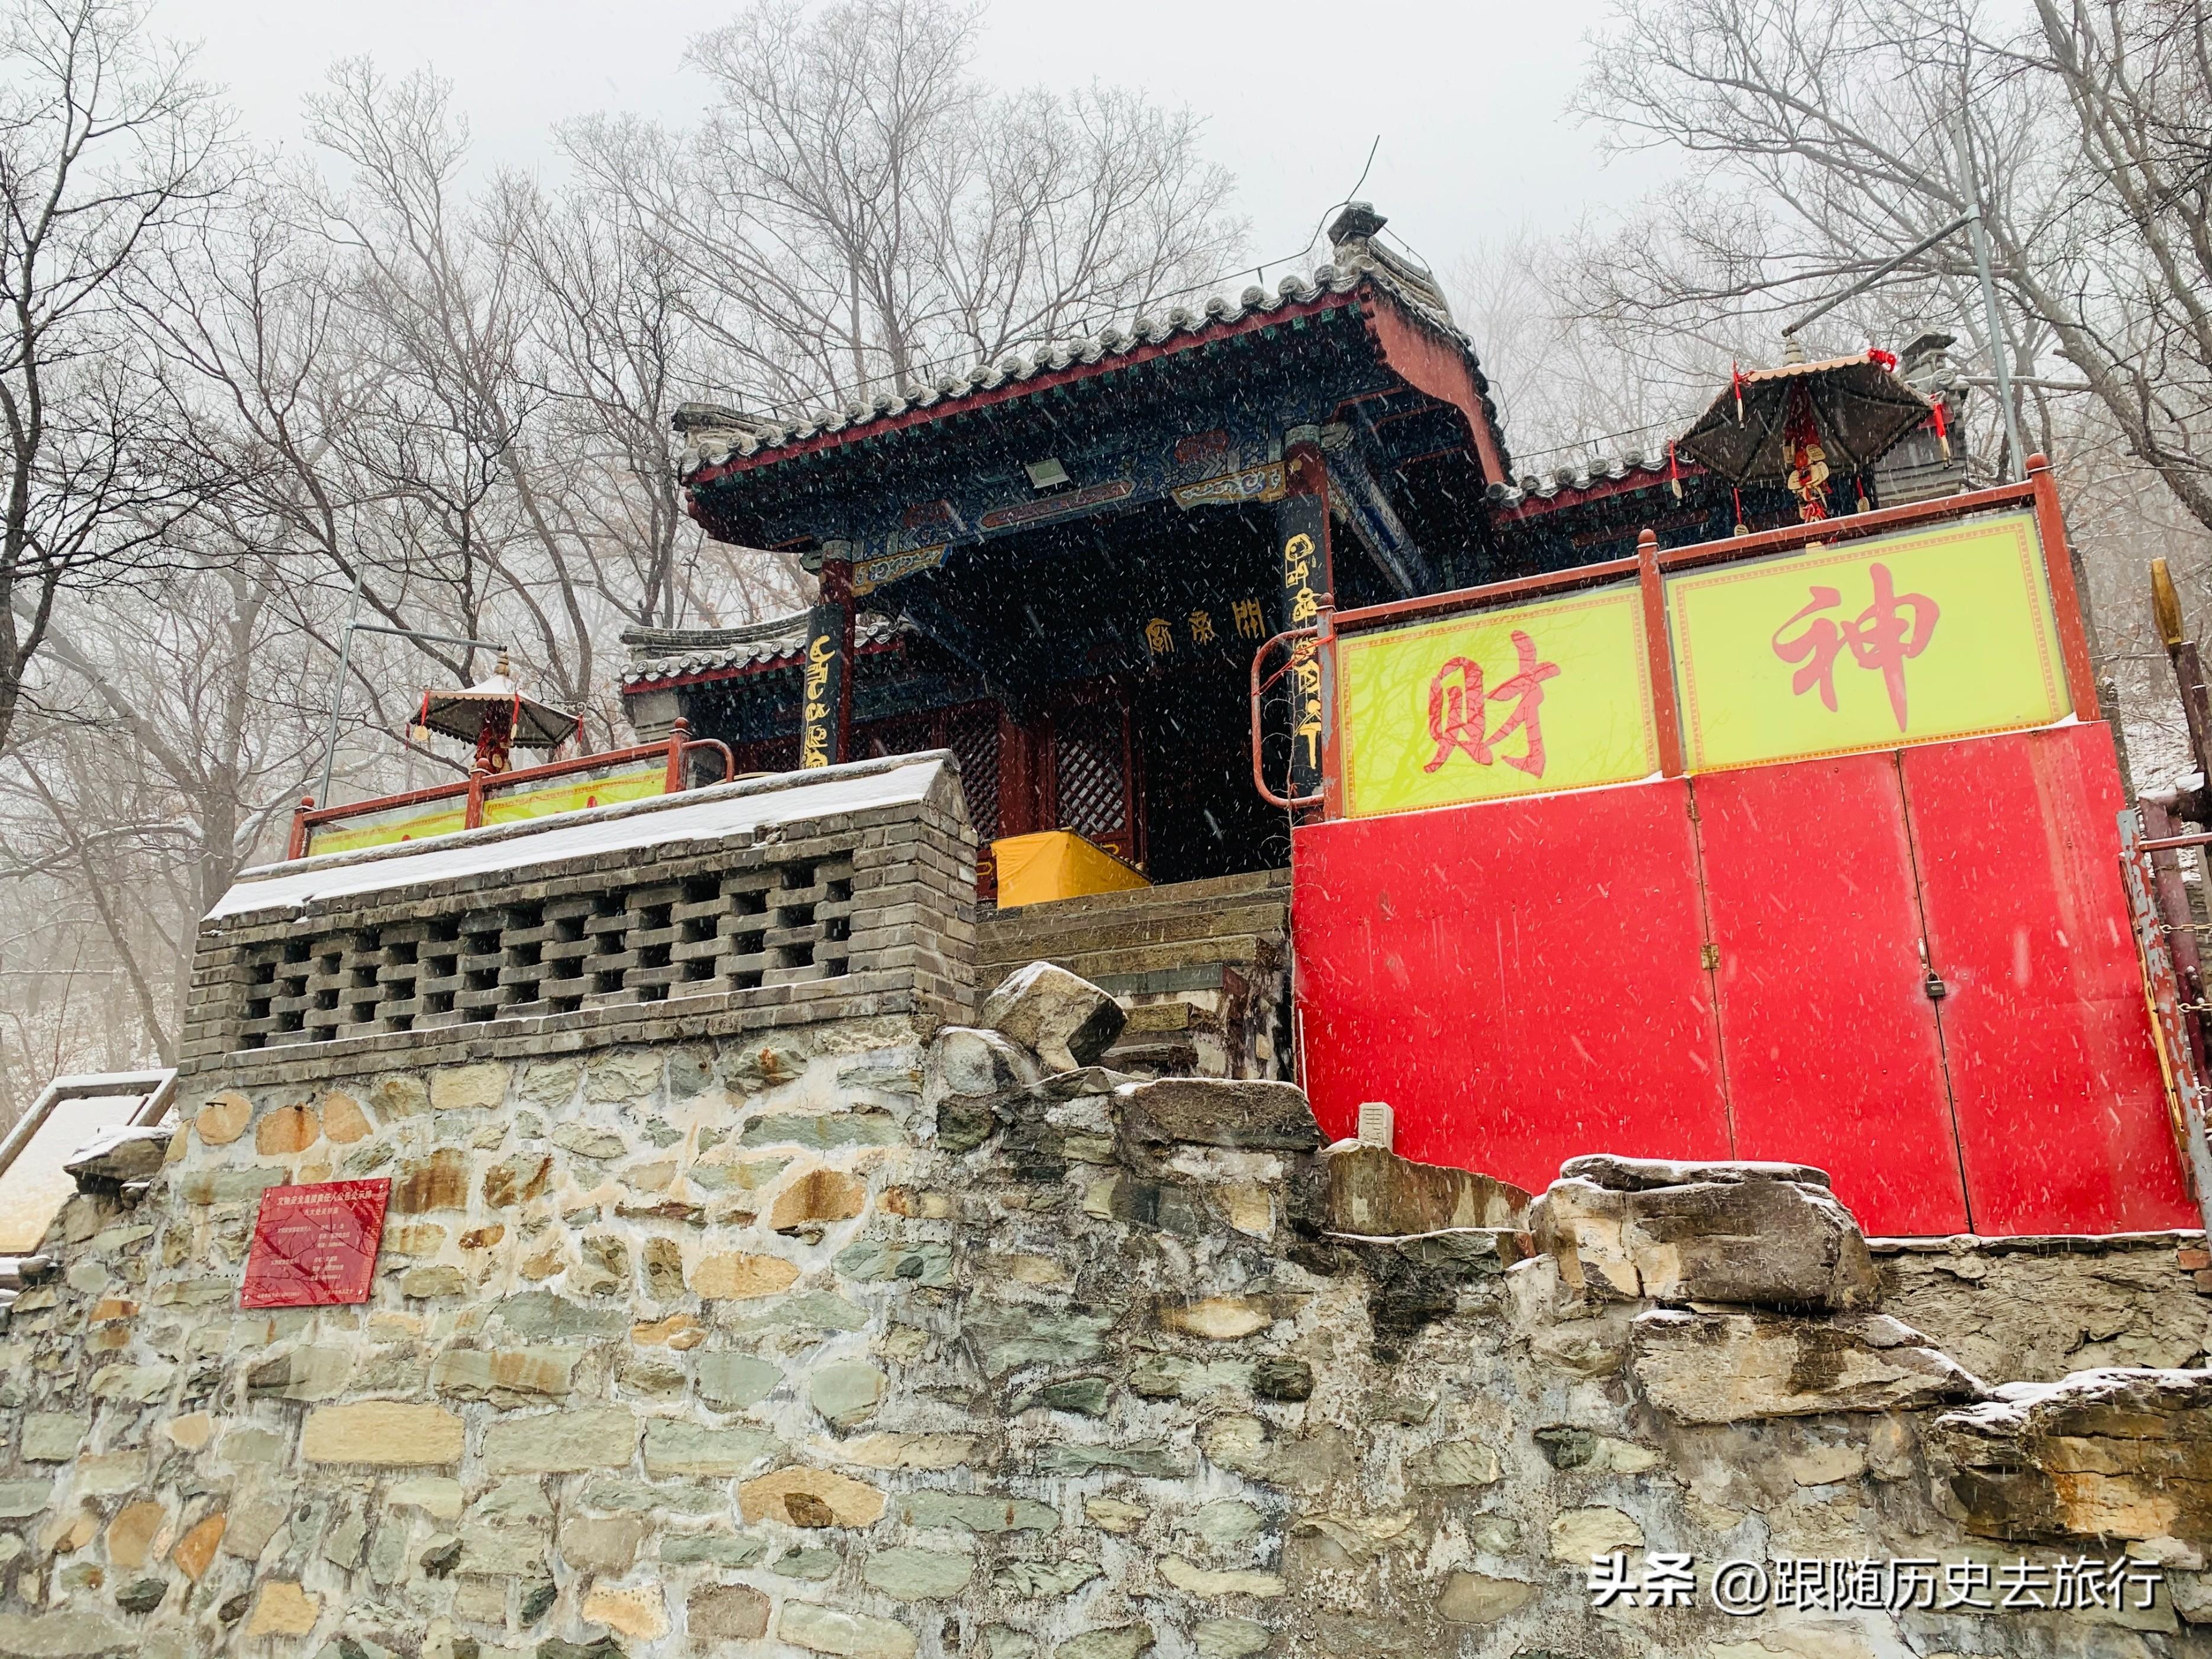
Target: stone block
(53, 1437)
(439, 1182)
(1065, 1021)
(387, 1433)
(732, 1381)
(1208, 1584)
(118, 1156)
(977, 1064)
(725, 1613)
(735, 1276)
(1190, 1111)
(676, 1447)
(132, 1533)
(1229, 1639)
(1735, 1367)
(919, 1575)
(977, 1512)
(282, 1609)
(824, 1132)
(1373, 1191)
(477, 1088)
(195, 1552)
(481, 1373)
(1115, 1641)
(1751, 1234)
(596, 1437)
(21, 1499)
(517, 1179)
(849, 1635)
(66, 1633)
(2119, 1454)
(1219, 1318)
(811, 1498)
(926, 1262)
(320, 1371)
(1006, 1336)
(287, 1130)
(223, 1119)
(846, 1393)
(343, 1120)
(818, 1197)
(640, 1612)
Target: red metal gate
(1913, 969)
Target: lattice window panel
(972, 735)
(779, 924)
(1087, 772)
(908, 735)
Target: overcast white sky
(1467, 97)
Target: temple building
(1060, 566)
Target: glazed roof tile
(658, 655)
(709, 445)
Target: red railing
(479, 785)
(1651, 563)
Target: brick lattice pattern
(871, 914)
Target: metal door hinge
(1710, 954)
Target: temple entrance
(1202, 816)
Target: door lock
(1935, 988)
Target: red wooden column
(1310, 592)
(1659, 655)
(825, 727)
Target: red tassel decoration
(1735, 382)
(1742, 528)
(1673, 470)
(1942, 430)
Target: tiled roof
(1558, 486)
(713, 436)
(661, 655)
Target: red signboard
(315, 1246)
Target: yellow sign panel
(447, 816)
(1943, 633)
(1519, 701)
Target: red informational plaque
(315, 1246)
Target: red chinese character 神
(1880, 637)
(1458, 719)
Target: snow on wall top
(696, 815)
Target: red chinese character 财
(1881, 638)
(1459, 717)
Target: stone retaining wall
(869, 1339)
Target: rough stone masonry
(880, 1334)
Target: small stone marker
(1378, 1125)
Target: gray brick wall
(868, 913)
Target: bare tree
(856, 206)
(105, 146)
(1828, 137)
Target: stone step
(1214, 890)
(1011, 942)
(1239, 950)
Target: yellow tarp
(1057, 864)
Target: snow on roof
(714, 813)
(69, 1114)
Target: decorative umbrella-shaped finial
(497, 718)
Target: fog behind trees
(238, 388)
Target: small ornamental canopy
(496, 717)
(1801, 422)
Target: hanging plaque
(315, 1246)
